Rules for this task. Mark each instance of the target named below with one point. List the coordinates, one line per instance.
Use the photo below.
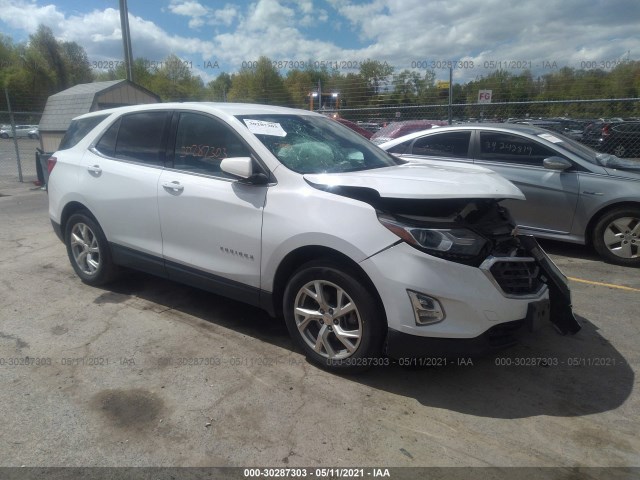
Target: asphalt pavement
(146, 372)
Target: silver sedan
(574, 193)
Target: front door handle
(94, 170)
(173, 187)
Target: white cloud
(224, 16)
(27, 16)
(188, 9)
(396, 31)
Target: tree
(173, 81)
(217, 89)
(76, 63)
(374, 73)
(262, 84)
(47, 52)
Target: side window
(447, 144)
(140, 137)
(202, 142)
(107, 144)
(504, 147)
(78, 129)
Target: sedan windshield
(591, 155)
(572, 146)
(312, 144)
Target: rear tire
(334, 319)
(616, 236)
(88, 250)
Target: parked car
(353, 126)
(574, 193)
(34, 133)
(285, 209)
(22, 131)
(398, 129)
(373, 127)
(619, 138)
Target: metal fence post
(13, 130)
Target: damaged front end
(482, 233)
(478, 232)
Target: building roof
(64, 106)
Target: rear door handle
(95, 170)
(173, 187)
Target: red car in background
(399, 129)
(354, 126)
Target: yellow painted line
(600, 284)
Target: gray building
(62, 107)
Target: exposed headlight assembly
(445, 242)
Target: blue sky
(216, 36)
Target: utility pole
(126, 39)
(13, 132)
(450, 109)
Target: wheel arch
(70, 209)
(298, 257)
(595, 218)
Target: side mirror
(556, 163)
(237, 166)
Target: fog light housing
(427, 310)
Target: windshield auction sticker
(551, 138)
(258, 127)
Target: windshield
(572, 146)
(311, 144)
(591, 155)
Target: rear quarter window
(79, 129)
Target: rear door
(120, 182)
(454, 146)
(211, 223)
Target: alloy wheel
(622, 237)
(328, 320)
(85, 249)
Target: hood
(620, 167)
(422, 181)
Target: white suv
(366, 256)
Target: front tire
(616, 236)
(88, 250)
(334, 319)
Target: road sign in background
(484, 96)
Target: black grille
(517, 278)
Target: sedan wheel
(334, 319)
(617, 236)
(88, 250)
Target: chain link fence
(608, 125)
(617, 133)
(19, 141)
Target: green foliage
(217, 89)
(262, 84)
(44, 66)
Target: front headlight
(439, 241)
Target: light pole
(126, 39)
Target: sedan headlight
(458, 242)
